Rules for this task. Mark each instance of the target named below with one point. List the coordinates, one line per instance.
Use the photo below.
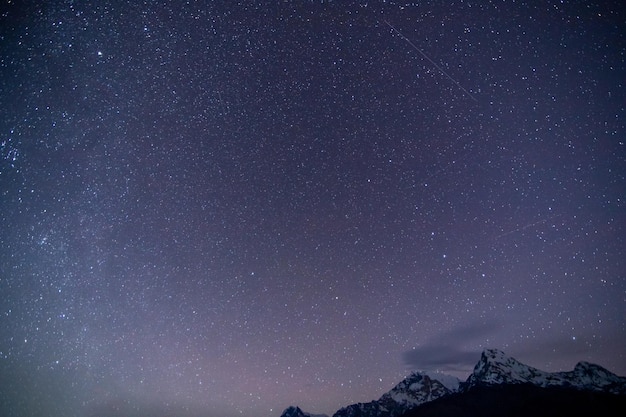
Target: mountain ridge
(415, 389)
(495, 368)
(494, 371)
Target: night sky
(223, 209)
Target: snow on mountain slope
(495, 367)
(416, 389)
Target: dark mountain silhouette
(498, 386)
(513, 400)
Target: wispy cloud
(446, 352)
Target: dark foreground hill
(523, 400)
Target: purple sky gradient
(227, 209)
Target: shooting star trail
(522, 228)
(431, 61)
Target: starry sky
(224, 208)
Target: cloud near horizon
(445, 353)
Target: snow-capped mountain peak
(593, 377)
(417, 388)
(420, 387)
(495, 367)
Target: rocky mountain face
(496, 368)
(416, 389)
(499, 385)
